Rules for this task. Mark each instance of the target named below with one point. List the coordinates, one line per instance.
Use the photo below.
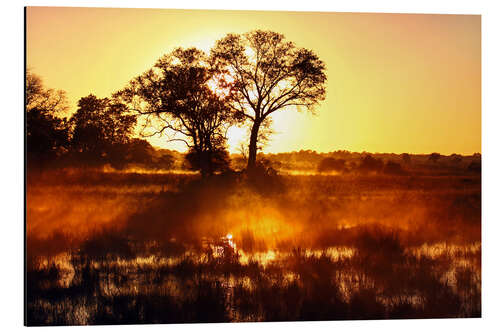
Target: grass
(118, 248)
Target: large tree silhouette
(270, 74)
(183, 97)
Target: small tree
(183, 97)
(40, 98)
(332, 164)
(434, 157)
(456, 158)
(406, 158)
(270, 74)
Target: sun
(237, 139)
(220, 84)
(230, 242)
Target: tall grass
(145, 248)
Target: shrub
(331, 164)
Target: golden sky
(396, 82)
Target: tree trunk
(252, 147)
(210, 167)
(205, 163)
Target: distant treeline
(99, 133)
(343, 161)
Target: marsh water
(106, 247)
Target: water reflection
(127, 250)
(241, 281)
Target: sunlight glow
(218, 85)
(363, 110)
(237, 139)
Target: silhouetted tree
(243, 150)
(101, 130)
(269, 74)
(434, 157)
(183, 95)
(40, 98)
(47, 132)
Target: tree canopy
(47, 131)
(101, 128)
(183, 97)
(43, 99)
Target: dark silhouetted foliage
(393, 168)
(140, 151)
(264, 178)
(332, 164)
(456, 158)
(406, 158)
(47, 133)
(434, 157)
(101, 131)
(369, 163)
(215, 161)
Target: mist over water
(345, 246)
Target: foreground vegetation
(119, 247)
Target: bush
(208, 162)
(434, 157)
(331, 164)
(370, 164)
(393, 168)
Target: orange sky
(396, 82)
